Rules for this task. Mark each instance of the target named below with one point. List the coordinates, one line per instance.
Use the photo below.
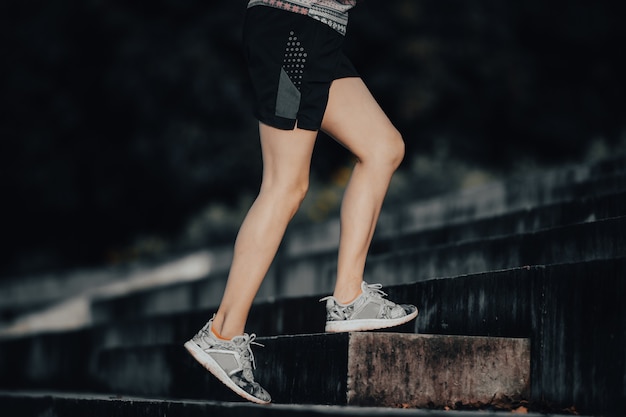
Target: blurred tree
(498, 80)
(122, 119)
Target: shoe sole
(212, 366)
(361, 325)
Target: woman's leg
(354, 119)
(286, 166)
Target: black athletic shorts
(292, 60)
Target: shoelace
(245, 348)
(373, 290)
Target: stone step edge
(293, 258)
(392, 287)
(518, 244)
(488, 221)
(455, 203)
(478, 240)
(360, 368)
(96, 326)
(8, 335)
(575, 171)
(124, 406)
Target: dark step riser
(609, 166)
(512, 288)
(171, 299)
(66, 405)
(396, 231)
(57, 361)
(20, 295)
(172, 372)
(519, 222)
(550, 188)
(496, 200)
(578, 183)
(582, 242)
(384, 369)
(316, 274)
(574, 314)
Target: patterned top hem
(333, 13)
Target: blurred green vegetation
(127, 128)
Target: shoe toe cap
(409, 309)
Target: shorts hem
(287, 124)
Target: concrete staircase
(519, 285)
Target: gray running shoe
(369, 311)
(231, 361)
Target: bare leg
(355, 120)
(286, 166)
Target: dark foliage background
(122, 118)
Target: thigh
(354, 119)
(286, 155)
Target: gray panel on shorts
(288, 99)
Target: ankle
(223, 328)
(218, 335)
(347, 298)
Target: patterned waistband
(333, 13)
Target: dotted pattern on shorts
(295, 59)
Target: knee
(396, 150)
(388, 153)
(293, 196)
(289, 193)
(298, 192)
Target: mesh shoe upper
(234, 357)
(370, 305)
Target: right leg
(355, 119)
(286, 166)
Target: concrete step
(603, 239)
(71, 404)
(382, 369)
(575, 194)
(537, 188)
(315, 274)
(24, 295)
(573, 313)
(493, 199)
(515, 289)
(48, 361)
(520, 221)
(299, 315)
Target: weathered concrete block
(364, 369)
(410, 370)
